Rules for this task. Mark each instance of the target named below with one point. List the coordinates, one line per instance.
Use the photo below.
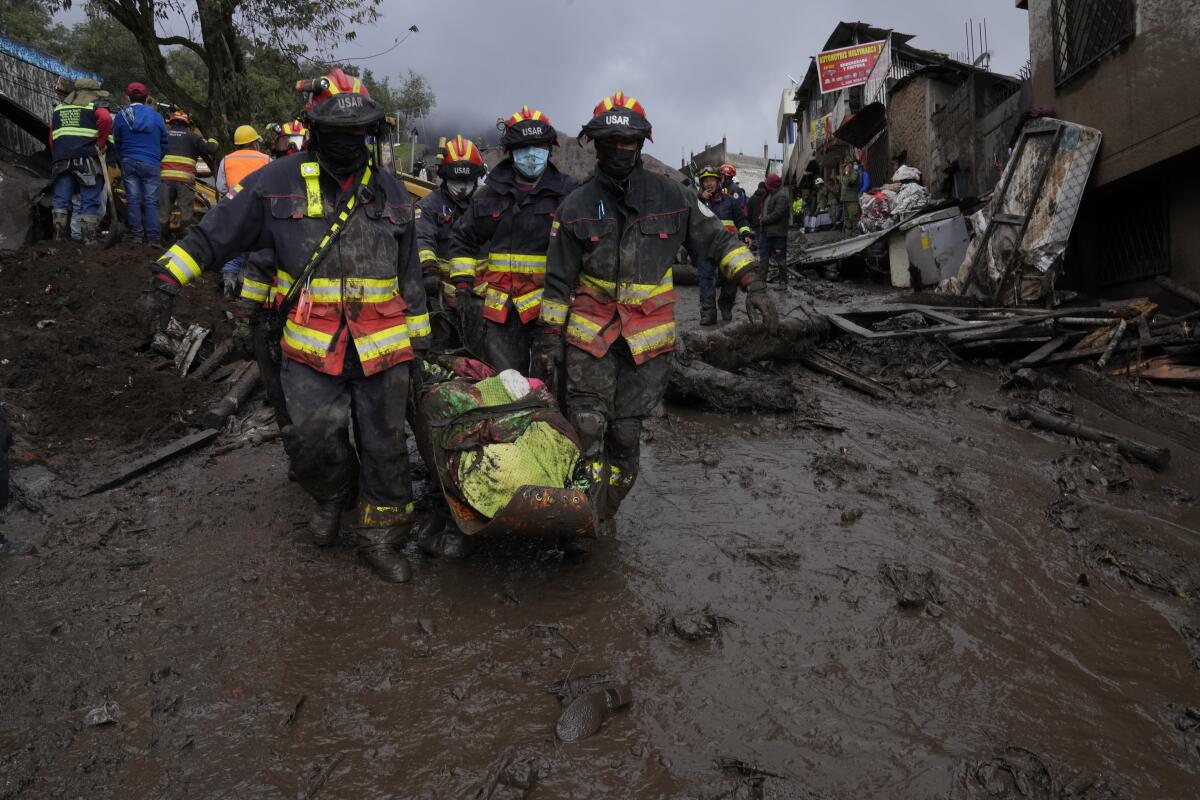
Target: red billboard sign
(847, 66)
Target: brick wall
(908, 124)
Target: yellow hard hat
(245, 134)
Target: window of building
(1087, 30)
(1133, 238)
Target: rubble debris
(914, 586)
(703, 384)
(1157, 457)
(586, 714)
(106, 713)
(744, 768)
(1017, 772)
(214, 360)
(1178, 289)
(244, 383)
(692, 626)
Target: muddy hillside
(888, 592)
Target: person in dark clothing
(610, 296)
(754, 207)
(460, 170)
(353, 309)
(727, 210)
(498, 247)
(178, 188)
(776, 211)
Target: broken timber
(163, 454)
(1157, 457)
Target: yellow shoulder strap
(311, 171)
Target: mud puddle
(893, 610)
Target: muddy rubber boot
(437, 537)
(708, 311)
(62, 225)
(89, 227)
(727, 313)
(380, 548)
(326, 523)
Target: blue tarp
(40, 59)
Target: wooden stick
(1191, 295)
(1112, 344)
(156, 458)
(1157, 457)
(854, 380)
(232, 401)
(219, 354)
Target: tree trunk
(228, 97)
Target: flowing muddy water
(749, 599)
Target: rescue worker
(723, 206)
(184, 148)
(345, 252)
(609, 294)
(826, 203)
(773, 244)
(232, 171)
(141, 140)
(78, 136)
(460, 167)
(798, 209)
(500, 244)
(731, 187)
(290, 137)
(848, 210)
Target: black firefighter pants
(607, 400)
(506, 344)
(322, 408)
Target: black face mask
(615, 162)
(343, 153)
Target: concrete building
(1128, 68)
(919, 107)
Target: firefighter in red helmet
(610, 297)
(498, 248)
(349, 299)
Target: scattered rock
(913, 586)
(106, 714)
(587, 713)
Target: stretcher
(483, 434)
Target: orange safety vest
(241, 163)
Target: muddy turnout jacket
(435, 218)
(609, 265)
(184, 147)
(500, 242)
(366, 292)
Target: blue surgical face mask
(531, 161)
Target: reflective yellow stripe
(631, 294)
(283, 281)
(180, 264)
(614, 475)
(311, 171)
(357, 290)
(89, 133)
(463, 267)
(169, 159)
(582, 328)
(734, 260)
(744, 229)
(728, 223)
(418, 326)
(554, 312)
(495, 298)
(380, 343)
(527, 301)
(652, 338)
(520, 263)
(426, 255)
(255, 290)
(174, 173)
(306, 340)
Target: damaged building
(1126, 67)
(949, 119)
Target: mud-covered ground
(865, 599)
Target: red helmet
(136, 90)
(352, 108)
(528, 127)
(618, 116)
(728, 170)
(290, 137)
(180, 116)
(462, 160)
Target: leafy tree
(31, 22)
(223, 34)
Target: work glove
(431, 279)
(758, 302)
(466, 305)
(548, 355)
(153, 306)
(243, 337)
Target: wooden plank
(828, 366)
(1037, 355)
(1178, 289)
(158, 457)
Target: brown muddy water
(1048, 647)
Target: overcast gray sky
(702, 68)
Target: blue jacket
(140, 133)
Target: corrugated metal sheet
(27, 78)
